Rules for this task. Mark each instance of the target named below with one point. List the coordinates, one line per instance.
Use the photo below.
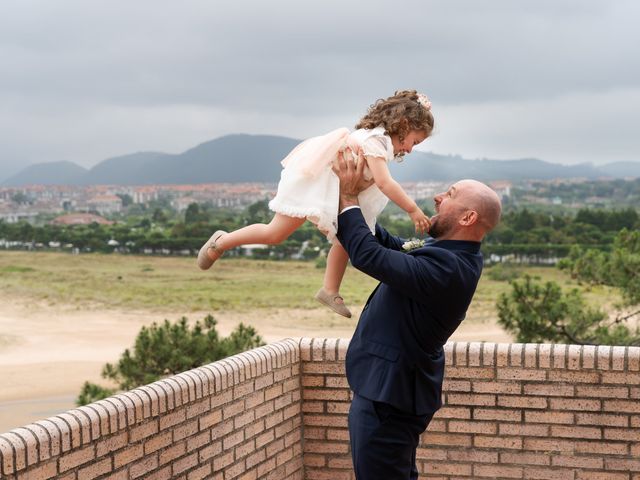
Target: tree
(537, 313)
(168, 349)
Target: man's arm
(416, 276)
(387, 240)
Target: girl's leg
(278, 230)
(329, 293)
(336, 266)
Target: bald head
(481, 198)
(468, 210)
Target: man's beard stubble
(439, 226)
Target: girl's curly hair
(399, 115)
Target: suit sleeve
(421, 277)
(387, 240)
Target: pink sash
(313, 155)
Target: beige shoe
(330, 301)
(204, 260)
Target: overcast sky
(84, 80)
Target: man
(395, 361)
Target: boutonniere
(412, 244)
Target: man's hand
(352, 181)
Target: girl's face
(413, 138)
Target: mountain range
(256, 158)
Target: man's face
(449, 207)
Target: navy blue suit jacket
(396, 354)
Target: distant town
(84, 204)
(59, 204)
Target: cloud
(84, 80)
(573, 128)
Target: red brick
(337, 434)
(457, 386)
(170, 419)
(78, 457)
(537, 473)
(199, 473)
(210, 451)
(602, 392)
(210, 419)
(173, 452)
(573, 377)
(256, 458)
(314, 460)
(143, 466)
(522, 402)
(232, 409)
(586, 475)
(111, 444)
(162, 474)
(578, 404)
(524, 430)
(198, 408)
(185, 430)
(550, 445)
(497, 414)
(232, 440)
(524, 458)
(460, 413)
(313, 381)
(511, 443)
(265, 438)
(197, 441)
(603, 448)
(337, 382)
(630, 406)
(514, 388)
(471, 399)
(447, 468)
(625, 464)
(469, 372)
(158, 442)
(621, 434)
(222, 461)
(575, 461)
(325, 394)
(549, 389)
(602, 419)
(521, 374)
(185, 463)
(472, 456)
(494, 471)
(549, 417)
(325, 447)
(576, 432)
(623, 378)
(41, 470)
(447, 439)
(488, 428)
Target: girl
(309, 189)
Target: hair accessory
(424, 101)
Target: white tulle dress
(309, 189)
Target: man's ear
(469, 218)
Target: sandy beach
(48, 351)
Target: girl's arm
(392, 189)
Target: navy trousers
(384, 440)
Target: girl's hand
(420, 220)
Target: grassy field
(172, 283)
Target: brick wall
(236, 418)
(280, 412)
(517, 411)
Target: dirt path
(47, 352)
